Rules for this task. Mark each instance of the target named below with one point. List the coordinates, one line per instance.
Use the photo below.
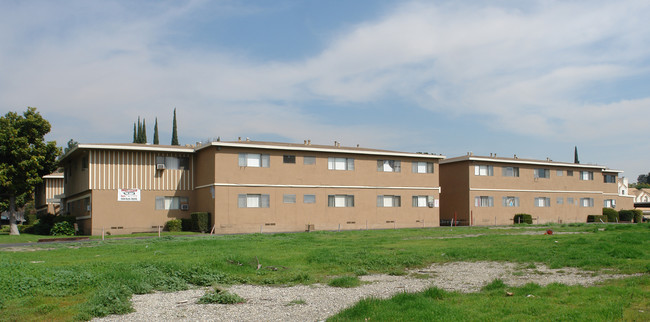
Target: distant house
(481, 190)
(47, 195)
(642, 200)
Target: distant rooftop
(517, 160)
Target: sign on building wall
(128, 195)
(436, 203)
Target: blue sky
(532, 78)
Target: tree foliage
(155, 133)
(643, 178)
(140, 131)
(25, 157)
(71, 145)
(174, 131)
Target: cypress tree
(174, 131)
(135, 138)
(144, 131)
(139, 136)
(155, 132)
(575, 155)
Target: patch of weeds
(219, 296)
(520, 273)
(420, 276)
(345, 281)
(531, 266)
(297, 302)
(397, 272)
(435, 293)
(496, 284)
(360, 272)
(301, 278)
(107, 300)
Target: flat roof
(514, 160)
(316, 148)
(129, 146)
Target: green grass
(5, 238)
(344, 281)
(96, 278)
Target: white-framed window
(609, 178)
(389, 201)
(340, 201)
(389, 166)
(569, 201)
(609, 203)
(289, 198)
(586, 202)
(542, 173)
(340, 163)
(173, 163)
(510, 201)
(483, 201)
(422, 167)
(308, 160)
(509, 171)
(254, 160)
(586, 175)
(309, 198)
(560, 200)
(483, 170)
(170, 202)
(559, 173)
(542, 202)
(422, 201)
(253, 201)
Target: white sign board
(436, 203)
(128, 195)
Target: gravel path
(266, 303)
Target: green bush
(611, 214)
(220, 296)
(201, 221)
(523, 219)
(638, 215)
(626, 215)
(173, 225)
(596, 218)
(5, 229)
(186, 224)
(63, 228)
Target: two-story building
(478, 190)
(250, 187)
(47, 195)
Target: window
(289, 198)
(340, 201)
(422, 201)
(586, 175)
(309, 199)
(422, 167)
(559, 173)
(510, 201)
(569, 201)
(253, 201)
(170, 203)
(586, 202)
(173, 163)
(84, 163)
(340, 163)
(309, 160)
(542, 173)
(289, 158)
(389, 201)
(509, 171)
(483, 170)
(560, 200)
(483, 201)
(569, 173)
(254, 160)
(542, 202)
(609, 203)
(610, 178)
(389, 166)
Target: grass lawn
(96, 278)
(5, 238)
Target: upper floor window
(484, 201)
(255, 160)
(84, 163)
(511, 201)
(586, 202)
(483, 170)
(586, 175)
(389, 201)
(542, 202)
(389, 166)
(253, 201)
(560, 200)
(173, 163)
(289, 158)
(422, 167)
(340, 200)
(559, 173)
(308, 160)
(610, 178)
(309, 198)
(569, 201)
(510, 171)
(569, 173)
(289, 198)
(340, 163)
(542, 173)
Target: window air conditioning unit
(185, 207)
(160, 166)
(430, 204)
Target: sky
(531, 78)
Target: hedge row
(198, 221)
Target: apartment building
(481, 191)
(250, 186)
(47, 195)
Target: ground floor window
(422, 201)
(389, 201)
(483, 201)
(609, 203)
(340, 200)
(586, 202)
(510, 201)
(253, 201)
(542, 202)
(288, 198)
(171, 203)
